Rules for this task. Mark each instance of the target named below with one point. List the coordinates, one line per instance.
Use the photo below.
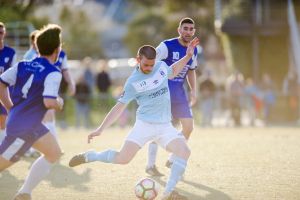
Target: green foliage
(160, 20)
(272, 55)
(80, 39)
(149, 27)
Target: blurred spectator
(82, 97)
(88, 74)
(103, 80)
(269, 99)
(207, 92)
(103, 83)
(235, 90)
(254, 100)
(291, 90)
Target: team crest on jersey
(162, 73)
(6, 59)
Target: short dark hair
(186, 20)
(48, 39)
(148, 51)
(2, 25)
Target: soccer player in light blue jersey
(36, 85)
(7, 60)
(170, 51)
(148, 85)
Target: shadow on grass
(211, 193)
(63, 176)
(9, 185)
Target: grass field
(226, 163)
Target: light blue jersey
(30, 54)
(151, 92)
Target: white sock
(152, 151)
(51, 126)
(38, 171)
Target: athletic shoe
(174, 196)
(169, 164)
(153, 171)
(78, 160)
(22, 196)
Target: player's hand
(193, 98)
(192, 45)
(93, 134)
(60, 102)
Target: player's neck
(51, 59)
(1, 44)
(185, 44)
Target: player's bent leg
(4, 163)
(187, 126)
(48, 145)
(127, 152)
(179, 147)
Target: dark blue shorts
(2, 110)
(181, 110)
(13, 146)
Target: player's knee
(54, 155)
(184, 152)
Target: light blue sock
(107, 156)
(177, 169)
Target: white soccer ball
(146, 189)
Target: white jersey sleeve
(10, 75)
(51, 85)
(194, 63)
(64, 63)
(161, 51)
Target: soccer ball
(146, 189)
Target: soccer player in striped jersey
(36, 84)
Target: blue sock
(107, 156)
(177, 170)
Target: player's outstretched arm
(178, 66)
(4, 96)
(109, 119)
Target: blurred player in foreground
(36, 85)
(7, 60)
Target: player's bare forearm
(191, 78)
(4, 97)
(71, 84)
(110, 118)
(179, 65)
